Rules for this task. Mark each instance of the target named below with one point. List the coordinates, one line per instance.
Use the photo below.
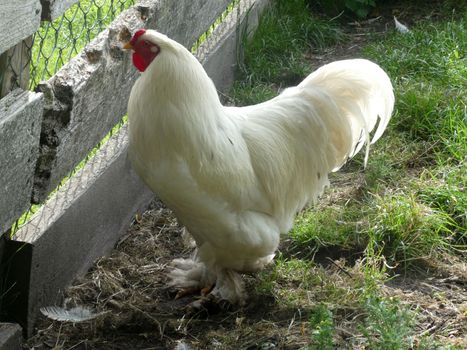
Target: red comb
(137, 35)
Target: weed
(388, 325)
(322, 325)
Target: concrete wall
(18, 20)
(10, 336)
(81, 222)
(20, 125)
(51, 9)
(89, 94)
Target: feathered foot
(208, 304)
(221, 287)
(194, 291)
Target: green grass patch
(388, 325)
(445, 190)
(406, 229)
(328, 226)
(429, 69)
(276, 54)
(322, 325)
(406, 208)
(432, 52)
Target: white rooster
(235, 177)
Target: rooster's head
(147, 45)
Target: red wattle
(139, 62)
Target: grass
(387, 325)
(276, 54)
(408, 207)
(322, 325)
(430, 71)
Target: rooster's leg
(228, 291)
(216, 286)
(190, 277)
(208, 304)
(206, 290)
(194, 291)
(187, 292)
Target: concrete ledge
(10, 336)
(20, 126)
(222, 51)
(81, 222)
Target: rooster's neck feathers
(184, 103)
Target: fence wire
(55, 43)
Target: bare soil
(140, 311)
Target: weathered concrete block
(20, 125)
(89, 95)
(79, 223)
(52, 9)
(18, 20)
(10, 336)
(185, 20)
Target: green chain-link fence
(53, 45)
(56, 42)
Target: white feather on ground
(400, 27)
(76, 314)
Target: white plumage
(236, 176)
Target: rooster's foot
(209, 304)
(189, 291)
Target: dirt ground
(140, 311)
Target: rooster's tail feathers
(363, 92)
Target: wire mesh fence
(56, 42)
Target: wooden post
(14, 67)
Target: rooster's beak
(127, 46)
